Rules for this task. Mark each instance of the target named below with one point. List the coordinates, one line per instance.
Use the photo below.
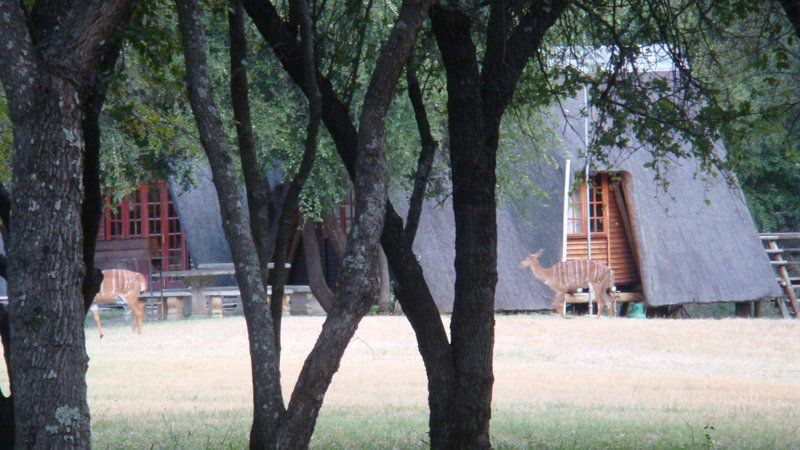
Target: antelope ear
(538, 253)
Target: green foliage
(737, 71)
(147, 130)
(756, 67)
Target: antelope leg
(96, 315)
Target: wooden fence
(784, 252)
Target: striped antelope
(567, 277)
(124, 285)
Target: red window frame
(148, 212)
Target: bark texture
(384, 282)
(46, 86)
(267, 399)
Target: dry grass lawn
(573, 383)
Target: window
(114, 220)
(148, 212)
(576, 217)
(154, 210)
(134, 204)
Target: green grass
(554, 427)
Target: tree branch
(257, 188)
(18, 69)
(350, 88)
(316, 278)
(426, 154)
(504, 62)
(78, 44)
(92, 207)
(335, 234)
(292, 194)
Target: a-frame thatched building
(693, 243)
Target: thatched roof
(198, 211)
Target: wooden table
(200, 278)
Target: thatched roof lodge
(693, 243)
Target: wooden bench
(216, 298)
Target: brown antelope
(124, 285)
(567, 277)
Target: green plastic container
(636, 311)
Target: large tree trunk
(473, 177)
(476, 101)
(267, 398)
(46, 86)
(46, 272)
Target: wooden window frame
(605, 219)
(172, 238)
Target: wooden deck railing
(784, 252)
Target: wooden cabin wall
(612, 245)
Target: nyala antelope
(568, 277)
(124, 285)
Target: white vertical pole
(588, 192)
(566, 212)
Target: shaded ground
(559, 384)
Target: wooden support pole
(781, 303)
(175, 307)
(757, 308)
(786, 282)
(216, 306)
